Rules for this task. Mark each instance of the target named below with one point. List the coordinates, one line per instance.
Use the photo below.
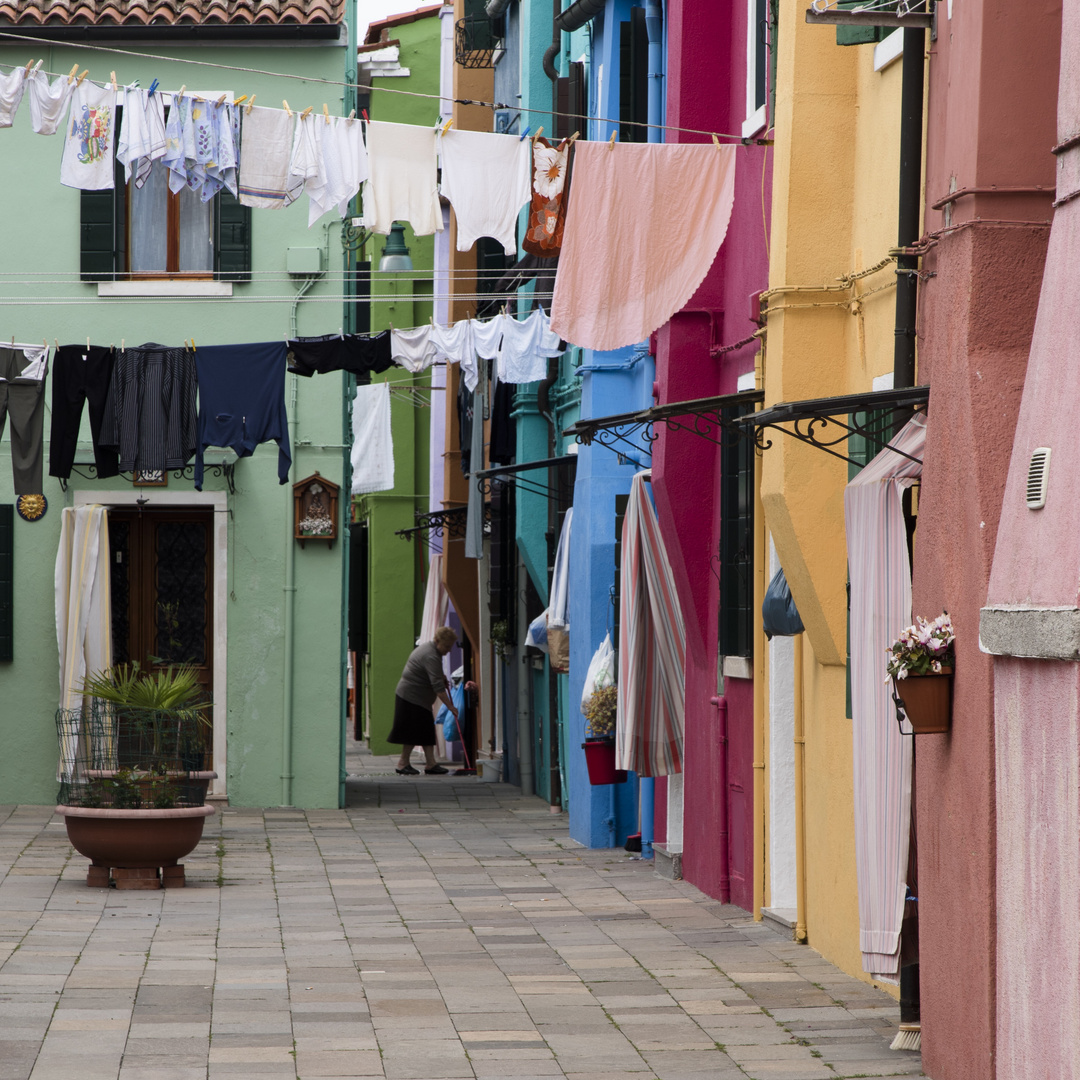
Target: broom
(909, 1037)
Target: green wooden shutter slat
(232, 252)
(857, 35)
(7, 582)
(97, 232)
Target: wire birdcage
(121, 758)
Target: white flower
(549, 170)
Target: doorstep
(781, 919)
(668, 864)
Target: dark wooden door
(161, 577)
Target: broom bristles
(909, 1037)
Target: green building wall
(43, 298)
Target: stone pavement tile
(161, 1072)
(250, 1055)
(426, 1059)
(338, 1063)
(692, 1063)
(876, 1067)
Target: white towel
(487, 178)
(142, 133)
(343, 166)
(265, 157)
(412, 350)
(48, 101)
(12, 87)
(305, 163)
(89, 147)
(403, 181)
(373, 443)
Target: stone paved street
(439, 928)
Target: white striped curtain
(652, 648)
(436, 599)
(559, 601)
(880, 575)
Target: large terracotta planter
(927, 700)
(141, 847)
(600, 759)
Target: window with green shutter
(232, 249)
(7, 582)
(858, 35)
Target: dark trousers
(79, 375)
(24, 403)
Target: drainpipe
(800, 798)
(760, 652)
(525, 759)
(290, 598)
(654, 25)
(911, 134)
(723, 837)
(573, 18)
(553, 50)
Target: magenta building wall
(705, 86)
(993, 70)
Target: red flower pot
(600, 758)
(927, 700)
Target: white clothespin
(287, 109)
(326, 112)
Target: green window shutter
(97, 231)
(7, 582)
(232, 251)
(857, 35)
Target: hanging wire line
(47, 301)
(28, 41)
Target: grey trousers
(24, 402)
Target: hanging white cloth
(879, 571)
(89, 146)
(402, 185)
(455, 343)
(265, 158)
(436, 599)
(83, 609)
(413, 350)
(527, 345)
(373, 443)
(559, 598)
(48, 101)
(342, 166)
(142, 133)
(12, 87)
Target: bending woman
(421, 683)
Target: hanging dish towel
(48, 101)
(264, 162)
(412, 350)
(88, 150)
(305, 163)
(547, 211)
(12, 87)
(373, 443)
(142, 133)
(220, 170)
(527, 345)
(343, 167)
(486, 178)
(615, 285)
(242, 401)
(402, 185)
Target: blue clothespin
(153, 87)
(524, 133)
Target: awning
(701, 416)
(815, 420)
(652, 649)
(879, 571)
(566, 464)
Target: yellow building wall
(834, 214)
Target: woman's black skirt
(414, 725)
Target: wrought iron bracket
(224, 469)
(451, 523)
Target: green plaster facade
(396, 569)
(251, 535)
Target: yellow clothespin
(180, 93)
(79, 80)
(446, 126)
(307, 112)
(112, 79)
(539, 132)
(326, 112)
(88, 344)
(56, 342)
(715, 141)
(287, 109)
(611, 141)
(240, 100)
(71, 73)
(29, 65)
(193, 345)
(251, 103)
(575, 136)
(221, 99)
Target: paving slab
(434, 929)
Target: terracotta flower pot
(927, 700)
(600, 758)
(135, 844)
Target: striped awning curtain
(879, 572)
(436, 599)
(652, 648)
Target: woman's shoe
(408, 771)
(436, 770)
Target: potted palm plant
(133, 787)
(599, 745)
(921, 663)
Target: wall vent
(1038, 474)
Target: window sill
(888, 50)
(738, 667)
(754, 124)
(165, 287)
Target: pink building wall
(992, 89)
(705, 86)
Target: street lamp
(395, 257)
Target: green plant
(600, 713)
(499, 635)
(924, 648)
(174, 689)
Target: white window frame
(755, 115)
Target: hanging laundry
(22, 398)
(305, 163)
(150, 414)
(615, 285)
(220, 170)
(12, 87)
(142, 133)
(413, 350)
(87, 163)
(403, 184)
(343, 167)
(79, 375)
(264, 163)
(373, 442)
(474, 512)
(455, 343)
(503, 444)
(358, 353)
(174, 158)
(242, 401)
(48, 101)
(547, 210)
(487, 336)
(486, 178)
(527, 345)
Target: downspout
(525, 758)
(910, 199)
(573, 18)
(760, 648)
(553, 50)
(800, 788)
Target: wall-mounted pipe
(800, 798)
(578, 14)
(554, 48)
(494, 8)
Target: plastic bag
(558, 638)
(601, 671)
(779, 614)
(537, 635)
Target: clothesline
(22, 38)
